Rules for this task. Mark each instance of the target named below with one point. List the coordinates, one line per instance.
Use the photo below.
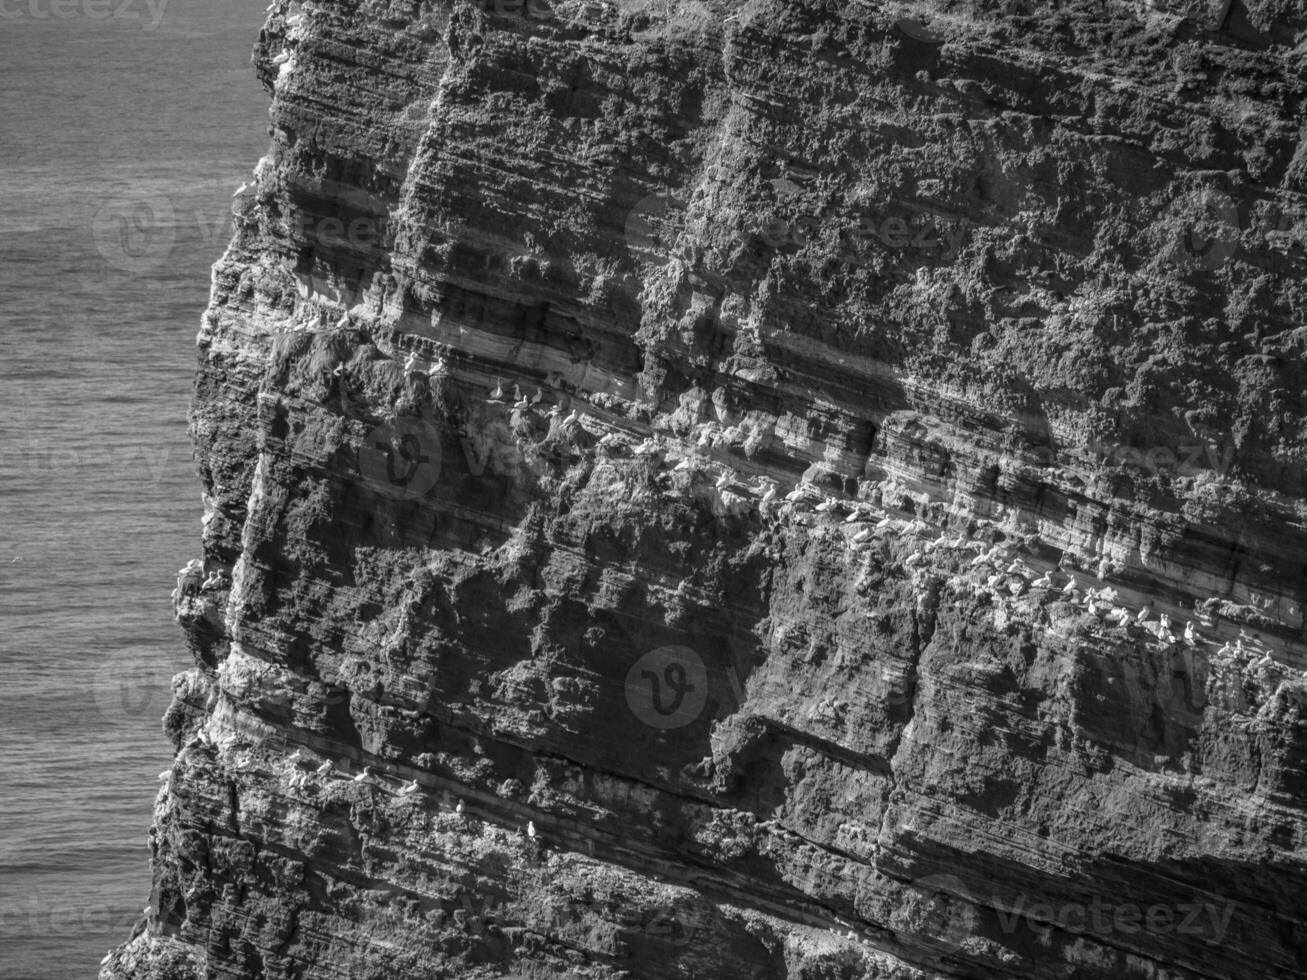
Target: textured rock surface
(1012, 294)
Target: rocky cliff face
(751, 490)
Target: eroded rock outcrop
(760, 490)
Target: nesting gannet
(531, 829)
(294, 20)
(497, 392)
(1189, 636)
(410, 788)
(993, 580)
(165, 774)
(573, 418)
(884, 523)
(554, 412)
(323, 769)
(458, 807)
(770, 494)
(863, 535)
(914, 559)
(411, 363)
(242, 189)
(1070, 587)
(295, 757)
(108, 955)
(1142, 615)
(282, 58)
(339, 371)
(1045, 581)
(521, 405)
(365, 774)
(794, 495)
(538, 397)
(829, 504)
(437, 368)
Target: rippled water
(120, 146)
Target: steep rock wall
(758, 448)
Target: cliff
(751, 490)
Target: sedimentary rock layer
(751, 490)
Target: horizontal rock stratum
(751, 491)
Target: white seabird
(323, 769)
(531, 829)
(458, 807)
(410, 788)
(498, 392)
(411, 364)
(365, 774)
(521, 405)
(437, 368)
(282, 58)
(242, 189)
(724, 480)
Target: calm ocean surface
(121, 141)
